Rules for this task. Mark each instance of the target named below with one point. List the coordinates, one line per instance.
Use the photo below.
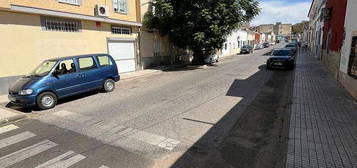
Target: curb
(12, 119)
(16, 116)
(155, 72)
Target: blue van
(57, 78)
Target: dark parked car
(246, 49)
(292, 46)
(281, 58)
(265, 45)
(62, 77)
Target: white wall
(350, 27)
(232, 42)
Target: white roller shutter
(123, 54)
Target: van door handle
(80, 75)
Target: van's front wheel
(46, 100)
(109, 85)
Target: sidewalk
(323, 125)
(7, 115)
(146, 72)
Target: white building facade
(315, 30)
(234, 42)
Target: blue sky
(286, 11)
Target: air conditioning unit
(102, 10)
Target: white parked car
(258, 47)
(212, 59)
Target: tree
(298, 28)
(199, 25)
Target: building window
(120, 6)
(120, 30)
(59, 24)
(73, 2)
(352, 65)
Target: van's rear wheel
(46, 100)
(109, 85)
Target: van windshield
(43, 69)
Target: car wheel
(268, 66)
(46, 100)
(109, 85)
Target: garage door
(123, 54)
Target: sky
(286, 11)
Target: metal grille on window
(120, 30)
(64, 26)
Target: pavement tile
(323, 131)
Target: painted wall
(257, 38)
(24, 44)
(4, 4)
(234, 42)
(86, 7)
(347, 81)
(335, 25)
(251, 38)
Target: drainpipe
(139, 49)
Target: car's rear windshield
(290, 46)
(281, 53)
(245, 46)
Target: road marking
(25, 153)
(150, 138)
(8, 128)
(62, 161)
(103, 166)
(16, 138)
(169, 144)
(153, 139)
(72, 116)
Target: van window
(104, 60)
(86, 63)
(66, 67)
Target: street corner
(8, 115)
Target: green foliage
(200, 25)
(298, 28)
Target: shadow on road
(253, 134)
(61, 101)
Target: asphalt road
(146, 122)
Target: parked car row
(58, 78)
(246, 49)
